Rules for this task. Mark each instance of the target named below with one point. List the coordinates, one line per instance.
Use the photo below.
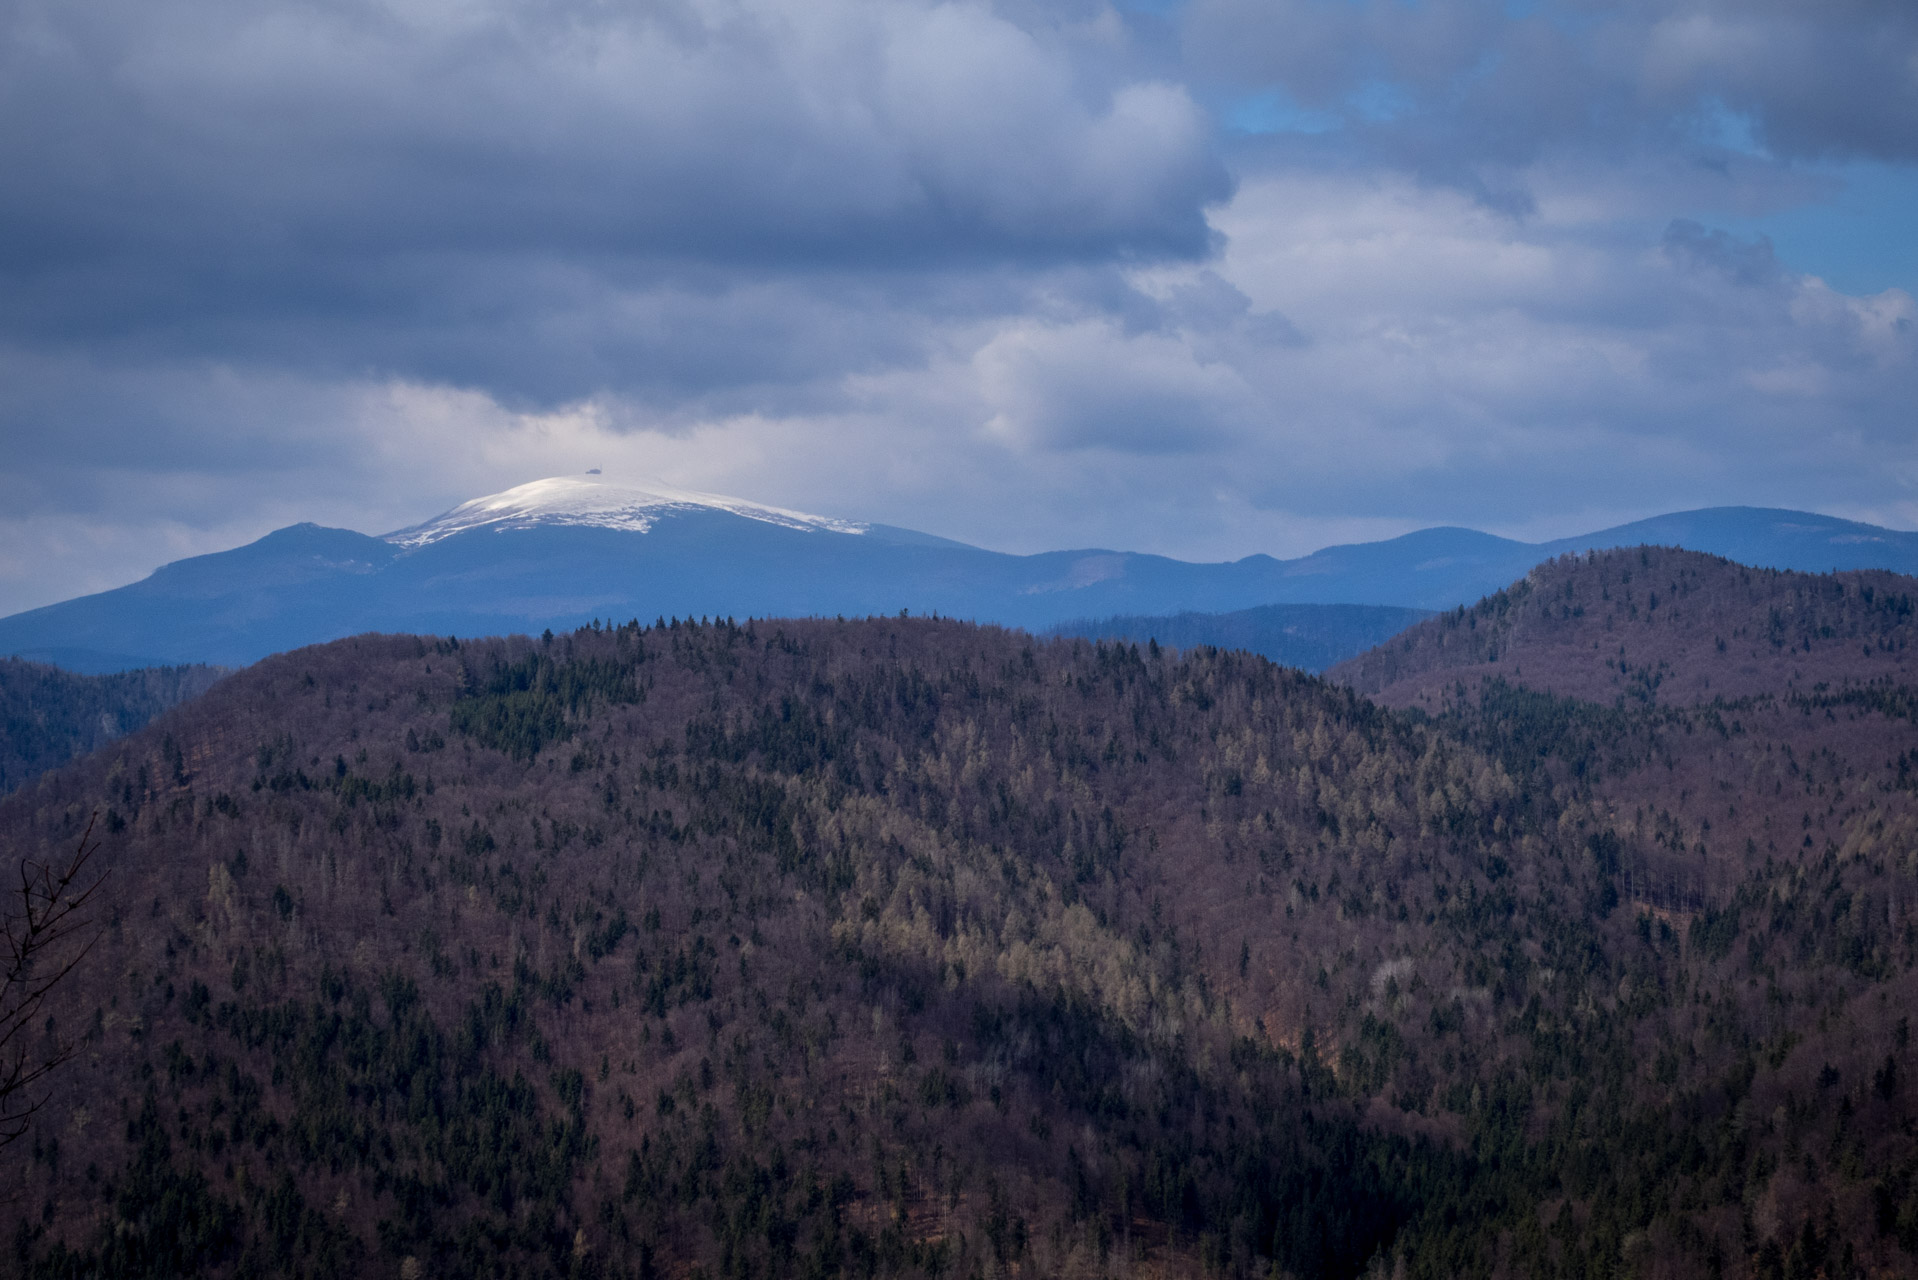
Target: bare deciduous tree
(45, 935)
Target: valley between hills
(1570, 934)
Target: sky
(1198, 277)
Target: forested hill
(1655, 624)
(49, 716)
(913, 948)
(1726, 720)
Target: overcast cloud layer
(1205, 278)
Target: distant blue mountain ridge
(563, 552)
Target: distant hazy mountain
(1310, 636)
(560, 552)
(1444, 568)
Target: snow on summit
(595, 503)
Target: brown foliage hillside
(1654, 625)
(1743, 715)
(905, 947)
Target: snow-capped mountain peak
(594, 502)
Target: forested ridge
(904, 947)
(49, 716)
(1655, 625)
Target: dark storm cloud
(455, 191)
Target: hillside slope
(914, 948)
(49, 716)
(1720, 717)
(1655, 624)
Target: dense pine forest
(907, 947)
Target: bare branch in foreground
(43, 938)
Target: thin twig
(51, 914)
